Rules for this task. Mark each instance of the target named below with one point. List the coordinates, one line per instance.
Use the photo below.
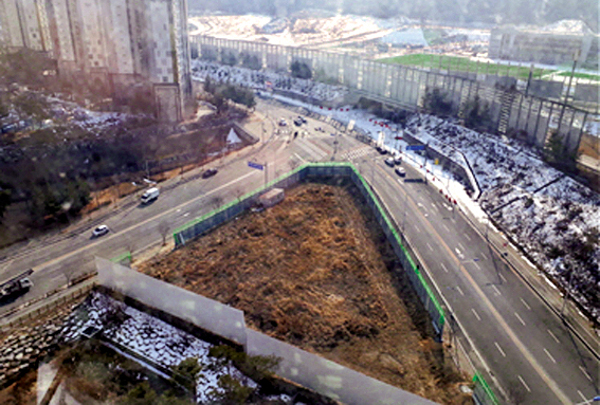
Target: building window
(165, 79)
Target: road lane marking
(496, 290)
(300, 157)
(502, 277)
(416, 228)
(500, 349)
(446, 228)
(525, 303)
(460, 291)
(151, 219)
(499, 320)
(549, 355)
(444, 267)
(585, 373)
(461, 247)
(553, 336)
(434, 207)
(484, 256)
(583, 396)
(523, 382)
(429, 246)
(477, 265)
(520, 319)
(468, 237)
(476, 314)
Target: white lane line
(429, 246)
(500, 349)
(582, 396)
(549, 355)
(461, 247)
(520, 319)
(502, 277)
(300, 157)
(585, 373)
(434, 207)
(496, 290)
(484, 256)
(446, 228)
(525, 303)
(416, 228)
(477, 265)
(460, 291)
(553, 336)
(453, 220)
(468, 237)
(444, 267)
(523, 382)
(476, 314)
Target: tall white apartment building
(123, 45)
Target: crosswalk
(356, 153)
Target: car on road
(400, 171)
(382, 150)
(398, 160)
(209, 173)
(391, 162)
(15, 288)
(99, 231)
(302, 119)
(297, 122)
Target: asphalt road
(515, 340)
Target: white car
(400, 172)
(99, 231)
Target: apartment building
(124, 46)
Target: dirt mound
(316, 271)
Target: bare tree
(163, 229)
(69, 273)
(239, 193)
(216, 202)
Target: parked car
(398, 160)
(302, 119)
(400, 171)
(391, 162)
(209, 173)
(282, 123)
(381, 150)
(297, 122)
(99, 231)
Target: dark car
(302, 119)
(209, 173)
(381, 150)
(297, 122)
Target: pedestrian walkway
(356, 153)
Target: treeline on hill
(464, 11)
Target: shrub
(301, 70)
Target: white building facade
(121, 46)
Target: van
(150, 195)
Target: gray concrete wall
(200, 311)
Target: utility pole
(562, 111)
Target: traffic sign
(415, 147)
(256, 166)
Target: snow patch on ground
(151, 338)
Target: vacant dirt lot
(316, 272)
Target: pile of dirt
(317, 272)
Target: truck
(16, 286)
(150, 195)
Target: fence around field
(408, 261)
(510, 112)
(307, 369)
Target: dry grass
(316, 271)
